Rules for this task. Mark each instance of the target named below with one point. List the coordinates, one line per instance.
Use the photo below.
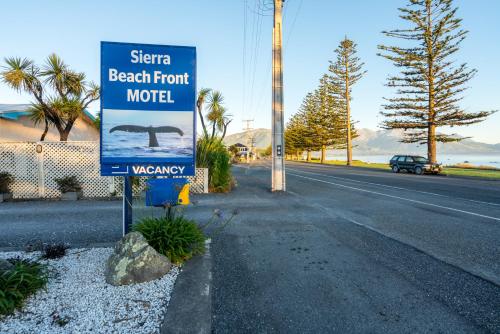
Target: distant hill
(262, 138)
(372, 142)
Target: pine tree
(429, 86)
(295, 136)
(346, 72)
(322, 116)
(319, 124)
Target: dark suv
(413, 163)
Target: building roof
(14, 111)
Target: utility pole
(278, 162)
(249, 138)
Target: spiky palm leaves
(217, 113)
(71, 94)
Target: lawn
(450, 170)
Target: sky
(234, 47)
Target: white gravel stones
(78, 293)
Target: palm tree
(202, 95)
(216, 110)
(72, 93)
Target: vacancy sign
(148, 105)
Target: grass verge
(449, 170)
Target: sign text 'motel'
(148, 115)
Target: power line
(293, 25)
(244, 56)
(255, 58)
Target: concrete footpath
(190, 307)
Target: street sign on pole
(148, 119)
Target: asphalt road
(345, 250)
(351, 250)
(80, 224)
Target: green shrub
(176, 237)
(6, 179)
(211, 154)
(18, 283)
(68, 184)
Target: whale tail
(151, 130)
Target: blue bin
(164, 192)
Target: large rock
(134, 261)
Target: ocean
(445, 159)
(130, 144)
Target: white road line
(397, 197)
(394, 187)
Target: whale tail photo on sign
(148, 109)
(152, 131)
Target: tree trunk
(63, 136)
(308, 156)
(202, 122)
(64, 133)
(349, 138)
(323, 154)
(431, 144)
(213, 131)
(224, 132)
(225, 128)
(431, 127)
(42, 138)
(348, 115)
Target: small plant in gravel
(174, 236)
(18, 283)
(54, 251)
(59, 320)
(6, 180)
(68, 184)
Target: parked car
(413, 163)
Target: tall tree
(345, 73)
(429, 86)
(61, 94)
(325, 117)
(296, 135)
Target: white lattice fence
(20, 159)
(60, 159)
(36, 165)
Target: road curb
(190, 307)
